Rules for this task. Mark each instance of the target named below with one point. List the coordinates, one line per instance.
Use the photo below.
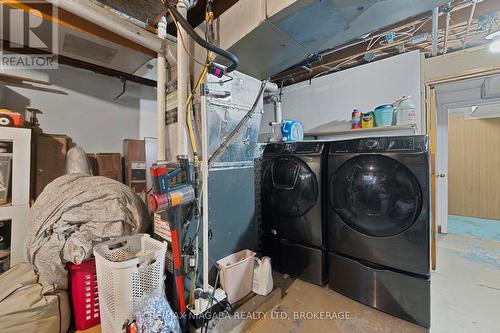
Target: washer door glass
(290, 188)
(375, 195)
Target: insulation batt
(72, 214)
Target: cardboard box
(134, 155)
(107, 165)
(51, 151)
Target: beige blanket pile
(72, 214)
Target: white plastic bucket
(236, 274)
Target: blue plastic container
(384, 115)
(292, 130)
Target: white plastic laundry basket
(128, 269)
(236, 274)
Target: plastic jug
(292, 130)
(262, 276)
(405, 111)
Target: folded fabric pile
(72, 214)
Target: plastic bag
(156, 316)
(77, 161)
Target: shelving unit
(17, 212)
(322, 133)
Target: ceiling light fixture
(495, 46)
(494, 37)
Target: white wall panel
(82, 105)
(330, 99)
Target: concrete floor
(465, 292)
(466, 286)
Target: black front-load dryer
(378, 224)
(292, 216)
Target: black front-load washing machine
(378, 224)
(292, 215)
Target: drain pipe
(278, 115)
(162, 64)
(435, 27)
(278, 118)
(182, 83)
(116, 24)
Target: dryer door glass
(375, 195)
(289, 187)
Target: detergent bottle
(356, 119)
(292, 130)
(405, 111)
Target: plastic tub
(5, 165)
(236, 274)
(84, 294)
(384, 115)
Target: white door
(441, 172)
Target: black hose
(223, 53)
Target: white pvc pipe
(112, 22)
(278, 115)
(271, 87)
(204, 191)
(278, 118)
(160, 95)
(435, 25)
(182, 83)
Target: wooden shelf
(7, 76)
(360, 130)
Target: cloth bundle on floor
(29, 306)
(72, 214)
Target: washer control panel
(294, 148)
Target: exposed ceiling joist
(75, 22)
(354, 52)
(150, 11)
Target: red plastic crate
(84, 295)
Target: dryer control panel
(410, 144)
(372, 144)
